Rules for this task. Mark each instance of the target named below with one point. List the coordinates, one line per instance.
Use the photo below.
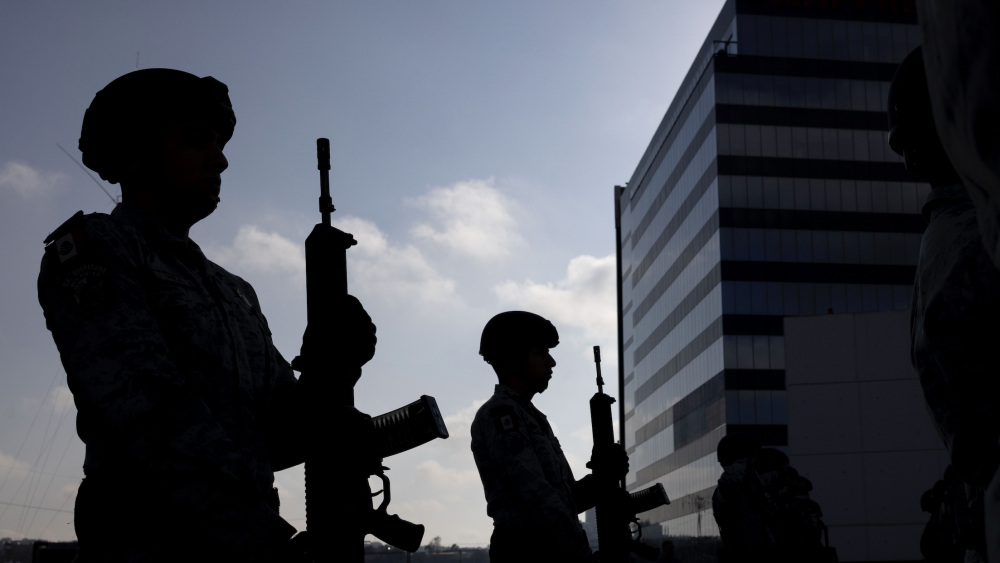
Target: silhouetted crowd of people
(762, 505)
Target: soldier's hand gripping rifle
(345, 446)
(616, 509)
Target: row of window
(753, 352)
(756, 407)
(804, 142)
(811, 38)
(801, 92)
(790, 298)
(813, 194)
(824, 247)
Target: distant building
(767, 191)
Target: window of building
(772, 242)
(768, 141)
(758, 250)
(753, 140)
(880, 203)
(794, 34)
(804, 246)
(838, 297)
(807, 299)
(801, 194)
(810, 49)
(758, 291)
(779, 407)
(751, 95)
(726, 243)
(866, 243)
(782, 92)
(864, 192)
(786, 191)
(852, 248)
(766, 83)
(783, 136)
(835, 246)
(744, 298)
(854, 301)
(739, 190)
(814, 98)
(820, 249)
(771, 197)
(774, 300)
(883, 252)
(869, 295)
(791, 301)
(817, 194)
(797, 92)
(788, 245)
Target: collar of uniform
(939, 194)
(132, 215)
(153, 231)
(502, 389)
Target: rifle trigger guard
(386, 494)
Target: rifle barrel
(323, 158)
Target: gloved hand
(610, 460)
(349, 340)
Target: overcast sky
(474, 145)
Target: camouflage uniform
(953, 327)
(741, 509)
(529, 485)
(180, 391)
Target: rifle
(346, 446)
(616, 509)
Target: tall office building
(768, 190)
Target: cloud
(474, 219)
(436, 474)
(391, 270)
(585, 299)
(61, 399)
(460, 424)
(27, 181)
(259, 251)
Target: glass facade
(768, 190)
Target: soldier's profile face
(538, 368)
(192, 166)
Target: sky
(475, 146)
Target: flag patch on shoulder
(507, 422)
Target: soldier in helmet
(530, 490)
(186, 407)
(747, 521)
(956, 297)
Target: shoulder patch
(87, 287)
(64, 228)
(506, 422)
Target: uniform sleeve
(511, 454)
(136, 408)
(954, 333)
(285, 435)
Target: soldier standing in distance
(531, 493)
(956, 294)
(185, 405)
(746, 520)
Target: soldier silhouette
(185, 405)
(531, 493)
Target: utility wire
(56, 513)
(48, 486)
(30, 428)
(113, 200)
(31, 479)
(38, 507)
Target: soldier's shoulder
(81, 234)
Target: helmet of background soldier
(735, 447)
(513, 334)
(912, 133)
(133, 110)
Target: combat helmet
(514, 333)
(134, 109)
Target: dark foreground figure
(531, 493)
(953, 324)
(185, 405)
